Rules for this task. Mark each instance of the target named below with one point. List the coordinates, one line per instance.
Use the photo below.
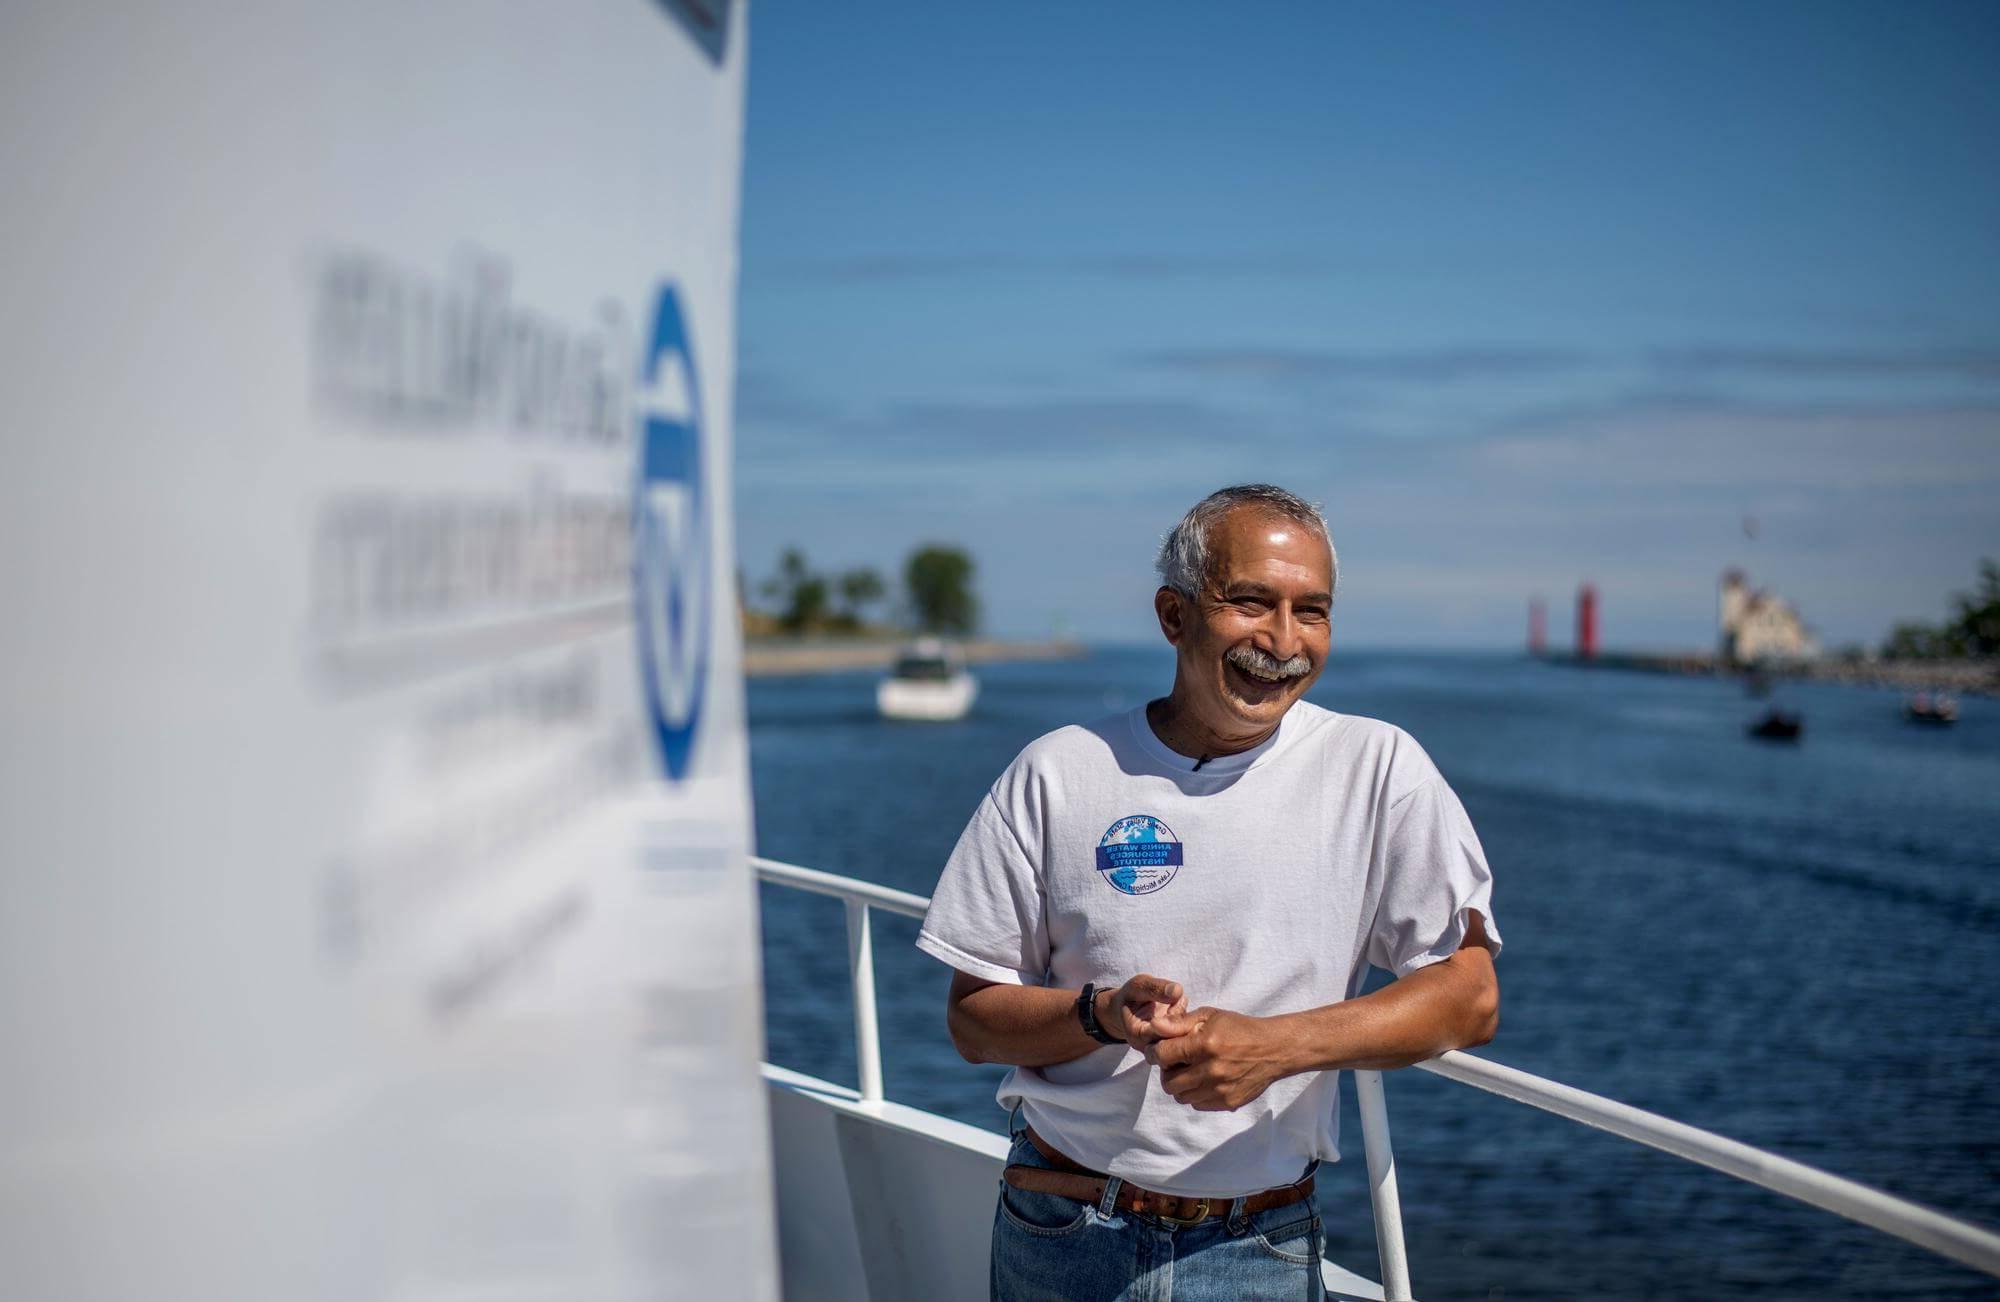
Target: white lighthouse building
(1758, 625)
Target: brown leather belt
(1072, 1180)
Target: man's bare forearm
(1454, 1004)
(1023, 1026)
(1230, 1058)
(1037, 1026)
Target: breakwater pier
(1975, 677)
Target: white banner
(377, 920)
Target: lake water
(1795, 946)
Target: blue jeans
(1047, 1248)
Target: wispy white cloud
(1872, 509)
(1728, 361)
(1867, 516)
(1426, 366)
(879, 268)
(1051, 443)
(1744, 446)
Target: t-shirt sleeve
(987, 916)
(1434, 874)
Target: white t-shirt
(1263, 883)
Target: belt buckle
(1200, 1215)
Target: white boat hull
(948, 698)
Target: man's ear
(1171, 607)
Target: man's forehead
(1249, 535)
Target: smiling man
(1161, 920)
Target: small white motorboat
(1939, 710)
(929, 682)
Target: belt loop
(1239, 1220)
(1109, 1202)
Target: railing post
(861, 975)
(1382, 1186)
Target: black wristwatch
(1086, 1013)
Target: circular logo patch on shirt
(1138, 854)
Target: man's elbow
(1482, 1014)
(1479, 1008)
(964, 1032)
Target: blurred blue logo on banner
(706, 23)
(670, 538)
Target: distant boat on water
(929, 683)
(1778, 725)
(1935, 711)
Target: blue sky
(1524, 294)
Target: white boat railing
(1961, 1241)
(859, 897)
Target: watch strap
(1086, 1014)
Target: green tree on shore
(1973, 630)
(1979, 612)
(803, 600)
(939, 579)
(859, 589)
(801, 594)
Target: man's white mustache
(1250, 660)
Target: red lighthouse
(1586, 622)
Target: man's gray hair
(1184, 553)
